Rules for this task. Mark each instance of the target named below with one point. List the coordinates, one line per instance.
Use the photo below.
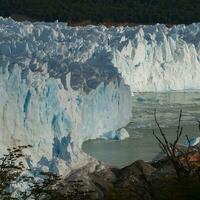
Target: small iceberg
(119, 134)
(192, 142)
(140, 99)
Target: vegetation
(45, 185)
(180, 158)
(110, 11)
(13, 172)
(176, 175)
(11, 166)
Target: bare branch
(161, 132)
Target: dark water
(142, 144)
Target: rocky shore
(141, 180)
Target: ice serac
(157, 58)
(58, 88)
(61, 85)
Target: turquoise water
(142, 144)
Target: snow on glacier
(61, 85)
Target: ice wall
(55, 95)
(157, 58)
(61, 85)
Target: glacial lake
(142, 144)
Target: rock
(160, 156)
(135, 170)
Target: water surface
(142, 144)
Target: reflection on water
(141, 144)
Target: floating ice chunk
(192, 142)
(120, 134)
(140, 99)
(123, 134)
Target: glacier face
(61, 85)
(56, 91)
(157, 58)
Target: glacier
(159, 59)
(62, 85)
(55, 93)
